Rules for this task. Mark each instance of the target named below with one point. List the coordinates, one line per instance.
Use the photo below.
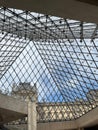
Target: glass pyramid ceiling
(57, 55)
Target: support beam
(63, 125)
(11, 109)
(13, 104)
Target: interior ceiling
(92, 2)
(83, 10)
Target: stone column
(32, 120)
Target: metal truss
(56, 56)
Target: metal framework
(58, 54)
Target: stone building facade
(55, 111)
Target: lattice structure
(59, 55)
